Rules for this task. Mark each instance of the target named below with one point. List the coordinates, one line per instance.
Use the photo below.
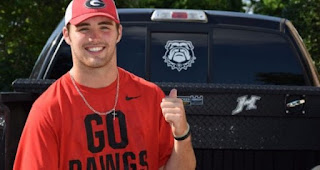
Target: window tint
(131, 49)
(179, 57)
(249, 57)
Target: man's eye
(105, 28)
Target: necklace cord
(113, 110)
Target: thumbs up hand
(174, 113)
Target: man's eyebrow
(105, 23)
(100, 23)
(82, 24)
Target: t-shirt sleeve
(165, 137)
(38, 146)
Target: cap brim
(79, 19)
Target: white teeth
(95, 49)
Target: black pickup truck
(250, 88)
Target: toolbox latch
(295, 104)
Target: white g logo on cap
(95, 4)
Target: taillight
(179, 15)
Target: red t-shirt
(61, 132)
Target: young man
(99, 116)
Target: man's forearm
(182, 156)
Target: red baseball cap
(80, 10)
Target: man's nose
(94, 36)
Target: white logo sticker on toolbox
(243, 101)
(179, 54)
(192, 100)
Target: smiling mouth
(95, 49)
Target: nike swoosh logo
(133, 97)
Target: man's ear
(66, 35)
(119, 33)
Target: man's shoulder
(132, 78)
(53, 93)
(134, 82)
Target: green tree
(305, 16)
(229, 5)
(24, 28)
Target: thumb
(173, 93)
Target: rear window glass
(229, 56)
(131, 49)
(250, 57)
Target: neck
(95, 78)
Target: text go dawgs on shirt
(96, 142)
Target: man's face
(93, 42)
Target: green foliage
(305, 16)
(24, 28)
(228, 5)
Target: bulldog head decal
(179, 54)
